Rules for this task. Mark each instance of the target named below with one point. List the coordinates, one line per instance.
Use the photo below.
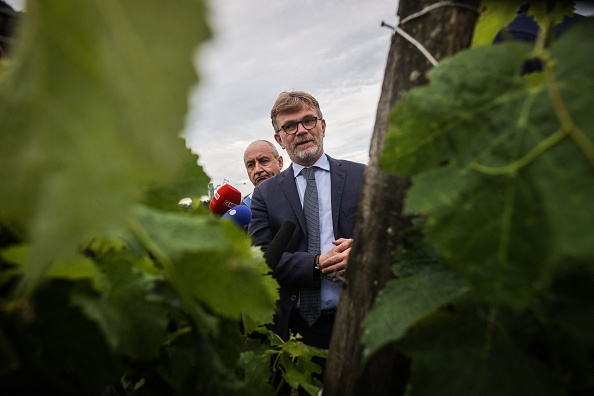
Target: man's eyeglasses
(308, 122)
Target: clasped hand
(335, 260)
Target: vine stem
(568, 127)
(513, 167)
(151, 246)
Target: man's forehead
(258, 152)
(303, 108)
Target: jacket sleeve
(296, 266)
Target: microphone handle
(277, 246)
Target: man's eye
(289, 126)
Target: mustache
(303, 140)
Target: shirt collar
(321, 163)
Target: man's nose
(300, 129)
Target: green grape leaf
(564, 174)
(423, 284)
(191, 182)
(474, 107)
(75, 267)
(298, 374)
(210, 260)
(295, 358)
(495, 16)
(190, 363)
(256, 372)
(455, 355)
(133, 324)
(92, 110)
(549, 14)
(70, 353)
(492, 230)
(494, 159)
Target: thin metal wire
(425, 10)
(438, 5)
(419, 46)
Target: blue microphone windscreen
(240, 214)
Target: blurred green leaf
(485, 120)
(133, 324)
(564, 174)
(487, 160)
(190, 364)
(57, 349)
(211, 260)
(507, 255)
(453, 354)
(92, 111)
(191, 182)
(423, 284)
(256, 370)
(76, 267)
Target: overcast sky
(334, 49)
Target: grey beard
(308, 155)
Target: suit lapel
(289, 188)
(337, 181)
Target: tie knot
(309, 173)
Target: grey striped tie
(309, 308)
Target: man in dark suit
(310, 276)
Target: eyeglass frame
(282, 128)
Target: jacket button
(293, 297)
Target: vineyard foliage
(108, 286)
(495, 282)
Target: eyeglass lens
(308, 123)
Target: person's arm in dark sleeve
(294, 268)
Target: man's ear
(280, 161)
(279, 140)
(323, 127)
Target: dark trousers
(318, 335)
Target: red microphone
(224, 199)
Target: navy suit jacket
(275, 201)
